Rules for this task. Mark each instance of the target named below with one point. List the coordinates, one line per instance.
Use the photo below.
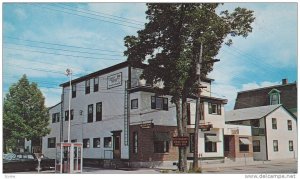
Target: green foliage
(170, 41)
(24, 113)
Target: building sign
(114, 80)
(180, 141)
(205, 127)
(234, 131)
(147, 125)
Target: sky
(42, 40)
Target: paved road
(286, 167)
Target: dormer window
(274, 96)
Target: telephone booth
(68, 158)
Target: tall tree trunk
(184, 131)
(4, 146)
(181, 151)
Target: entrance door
(117, 145)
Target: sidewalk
(247, 163)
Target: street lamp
(69, 73)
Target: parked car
(18, 162)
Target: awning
(245, 141)
(162, 136)
(212, 138)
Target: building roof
(111, 69)
(54, 106)
(260, 96)
(250, 113)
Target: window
(274, 123)
(275, 145)
(51, 142)
(244, 144)
(256, 146)
(96, 84)
(210, 142)
(55, 117)
(192, 144)
(96, 142)
(72, 114)
(161, 142)
(274, 98)
(255, 123)
(74, 91)
(159, 103)
(134, 104)
(99, 111)
(161, 146)
(214, 108)
(291, 145)
(107, 142)
(90, 113)
(74, 140)
(86, 143)
(135, 142)
(289, 124)
(87, 86)
(67, 115)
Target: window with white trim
(291, 145)
(134, 104)
(159, 103)
(96, 84)
(275, 145)
(90, 113)
(87, 86)
(214, 108)
(96, 143)
(289, 124)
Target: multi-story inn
(274, 130)
(118, 116)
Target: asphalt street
(285, 167)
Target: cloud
(8, 27)
(52, 96)
(20, 13)
(225, 91)
(255, 85)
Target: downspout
(266, 138)
(128, 108)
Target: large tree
(170, 44)
(25, 114)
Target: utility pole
(69, 73)
(198, 112)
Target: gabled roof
(250, 113)
(260, 96)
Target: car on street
(19, 162)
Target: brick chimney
(284, 81)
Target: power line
(95, 13)
(51, 53)
(84, 16)
(64, 45)
(60, 49)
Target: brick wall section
(146, 144)
(239, 154)
(234, 147)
